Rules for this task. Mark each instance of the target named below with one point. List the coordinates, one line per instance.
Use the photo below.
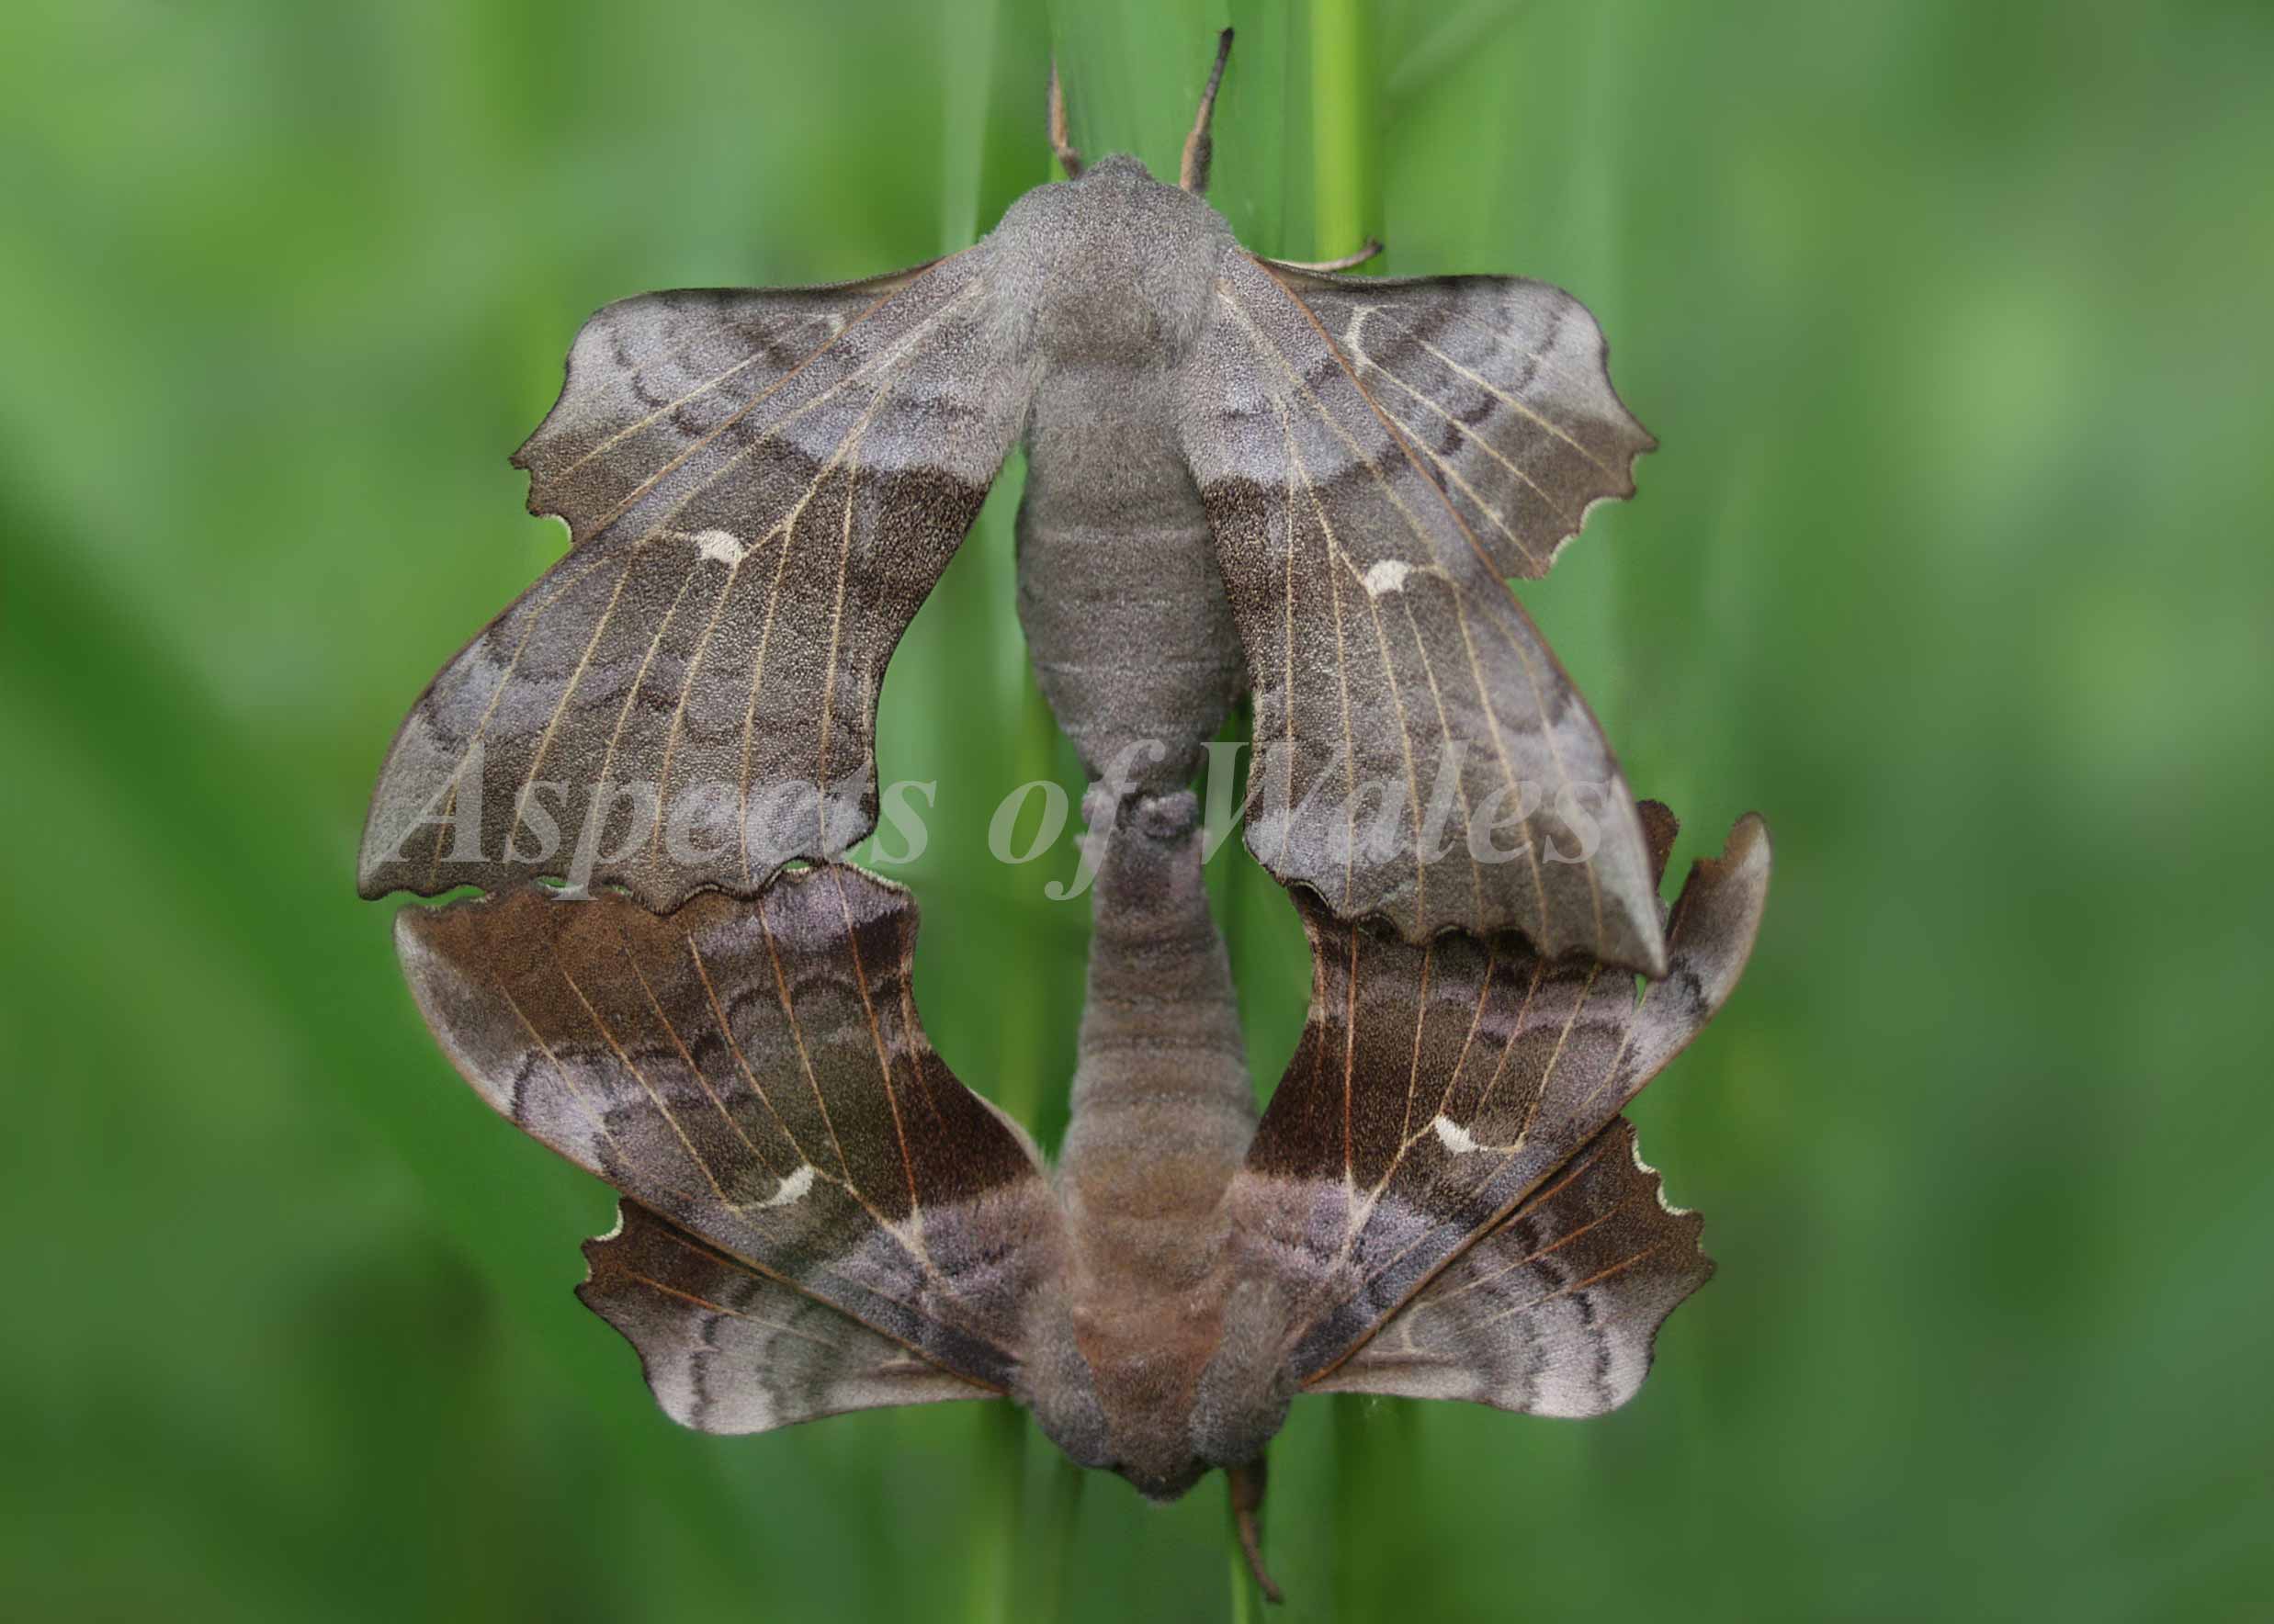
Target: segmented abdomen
(1130, 632)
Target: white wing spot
(1453, 1136)
(1389, 575)
(792, 1186)
(720, 548)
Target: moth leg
(1366, 251)
(1061, 141)
(1199, 147)
(1246, 1484)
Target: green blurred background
(1953, 320)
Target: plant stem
(1000, 1508)
(1353, 1573)
(1061, 1521)
(1343, 189)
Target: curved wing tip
(1718, 916)
(1748, 850)
(1744, 860)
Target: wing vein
(608, 1036)
(687, 1057)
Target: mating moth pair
(1243, 475)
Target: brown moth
(1241, 471)
(1441, 1201)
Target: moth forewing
(762, 486)
(1423, 756)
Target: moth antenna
(1366, 251)
(1061, 141)
(1199, 147)
(1247, 1493)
